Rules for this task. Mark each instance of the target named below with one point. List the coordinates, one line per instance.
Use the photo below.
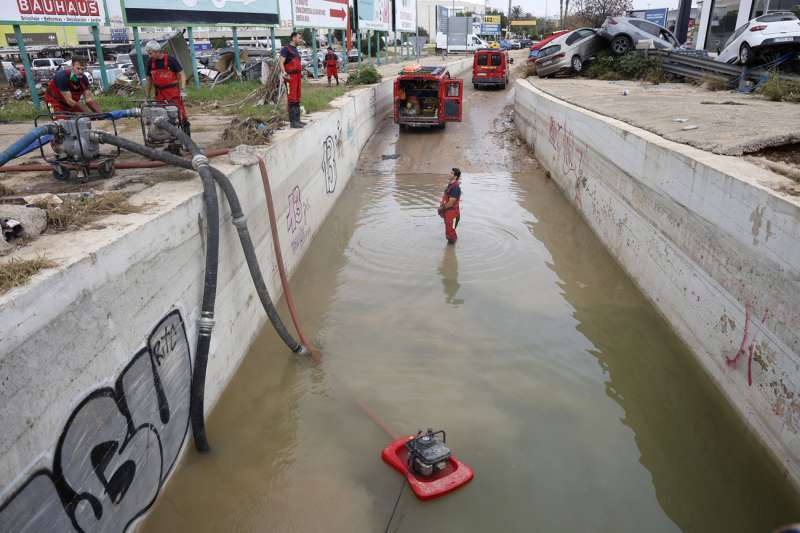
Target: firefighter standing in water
(292, 73)
(449, 208)
(165, 77)
(331, 66)
(66, 88)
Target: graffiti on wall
(117, 447)
(297, 218)
(331, 146)
(569, 154)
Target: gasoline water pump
(154, 136)
(74, 148)
(427, 452)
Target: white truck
(461, 43)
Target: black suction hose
(206, 321)
(240, 222)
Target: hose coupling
(97, 136)
(199, 161)
(240, 222)
(205, 323)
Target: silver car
(569, 52)
(625, 32)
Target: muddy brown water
(555, 379)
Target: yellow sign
(491, 19)
(531, 22)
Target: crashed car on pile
(569, 52)
(764, 38)
(624, 33)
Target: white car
(766, 37)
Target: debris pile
(250, 130)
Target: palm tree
(516, 12)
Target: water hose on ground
(119, 165)
(23, 142)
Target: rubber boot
(187, 128)
(299, 114)
(294, 116)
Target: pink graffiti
(555, 130)
(563, 142)
(748, 344)
(294, 216)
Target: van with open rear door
(427, 96)
(490, 68)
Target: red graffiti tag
(748, 344)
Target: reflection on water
(555, 379)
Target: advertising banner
(656, 16)
(373, 15)
(119, 35)
(441, 19)
(197, 12)
(326, 14)
(33, 39)
(490, 29)
(61, 12)
(491, 19)
(405, 15)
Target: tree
(595, 12)
(422, 31)
(516, 12)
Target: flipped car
(569, 52)
(765, 38)
(625, 32)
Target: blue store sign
(490, 29)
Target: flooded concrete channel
(555, 379)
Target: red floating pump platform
(427, 464)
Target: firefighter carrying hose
(292, 73)
(331, 66)
(66, 88)
(449, 207)
(165, 77)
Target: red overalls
(451, 215)
(168, 87)
(292, 67)
(55, 99)
(331, 62)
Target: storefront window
(722, 23)
(761, 7)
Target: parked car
(490, 68)
(569, 52)
(526, 43)
(44, 68)
(765, 38)
(625, 32)
(514, 44)
(493, 44)
(353, 55)
(536, 48)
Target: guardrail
(690, 65)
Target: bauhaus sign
(52, 11)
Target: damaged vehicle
(569, 52)
(763, 38)
(625, 32)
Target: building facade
(426, 11)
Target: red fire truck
(427, 96)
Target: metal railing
(691, 65)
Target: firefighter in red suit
(65, 90)
(292, 73)
(166, 78)
(449, 207)
(331, 66)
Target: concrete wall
(705, 238)
(96, 355)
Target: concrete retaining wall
(96, 355)
(710, 244)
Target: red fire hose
(262, 166)
(141, 163)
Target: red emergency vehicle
(427, 96)
(490, 68)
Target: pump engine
(427, 452)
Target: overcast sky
(538, 7)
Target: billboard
(405, 15)
(656, 16)
(330, 14)
(459, 28)
(441, 19)
(490, 29)
(373, 14)
(491, 19)
(205, 12)
(61, 12)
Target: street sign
(373, 14)
(405, 15)
(490, 29)
(55, 12)
(329, 14)
(199, 12)
(491, 19)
